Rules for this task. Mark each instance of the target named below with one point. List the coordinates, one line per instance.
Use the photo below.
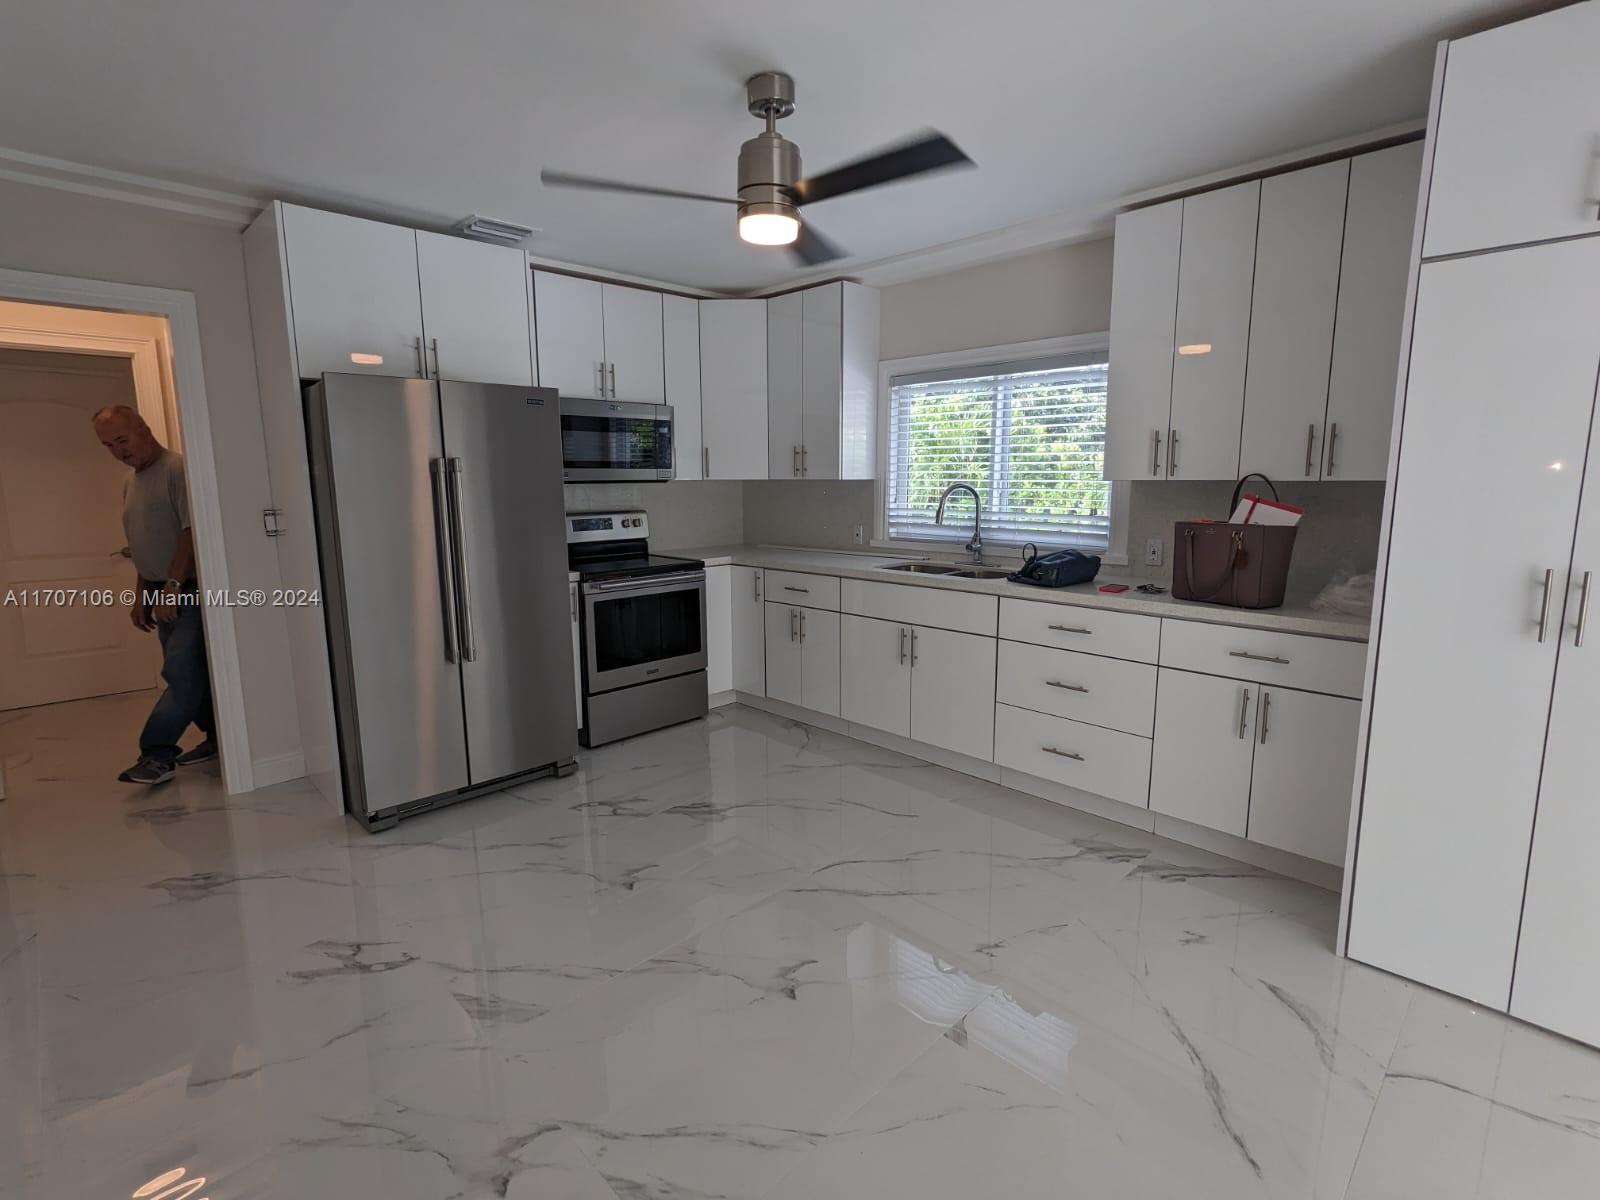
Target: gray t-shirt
(155, 511)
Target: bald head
(125, 434)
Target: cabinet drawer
(1102, 761)
(1291, 660)
(807, 591)
(1085, 687)
(1090, 630)
(963, 612)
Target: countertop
(1295, 616)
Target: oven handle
(651, 582)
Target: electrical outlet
(1152, 552)
(859, 534)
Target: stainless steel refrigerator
(444, 564)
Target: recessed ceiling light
(1195, 348)
(367, 360)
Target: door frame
(200, 470)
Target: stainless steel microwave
(602, 440)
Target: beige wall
(61, 233)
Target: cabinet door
(475, 310)
(1501, 383)
(733, 388)
(821, 379)
(634, 366)
(785, 395)
(1514, 156)
(819, 661)
(1213, 330)
(1291, 320)
(719, 629)
(952, 691)
(1378, 227)
(577, 652)
(353, 287)
(783, 653)
(1304, 767)
(875, 674)
(749, 630)
(1205, 736)
(1144, 307)
(570, 331)
(680, 320)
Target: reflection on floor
(740, 958)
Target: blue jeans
(187, 698)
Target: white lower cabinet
(748, 629)
(803, 657)
(577, 652)
(1304, 769)
(1084, 687)
(1205, 735)
(719, 629)
(952, 691)
(1104, 762)
(875, 674)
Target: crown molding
(40, 170)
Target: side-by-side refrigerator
(443, 550)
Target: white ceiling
(426, 111)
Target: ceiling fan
(771, 189)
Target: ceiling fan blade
(812, 249)
(925, 152)
(595, 184)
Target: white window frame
(1116, 553)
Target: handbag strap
(1238, 490)
(1229, 573)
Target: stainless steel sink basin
(979, 573)
(923, 568)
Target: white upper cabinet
(1515, 154)
(1379, 224)
(785, 394)
(1144, 306)
(680, 339)
(1292, 321)
(569, 324)
(733, 388)
(475, 310)
(826, 411)
(355, 298)
(1215, 269)
(633, 351)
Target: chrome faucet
(976, 544)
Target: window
(1028, 434)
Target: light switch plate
(1152, 552)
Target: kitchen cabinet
(599, 341)
(952, 692)
(1083, 687)
(680, 342)
(733, 388)
(1102, 762)
(822, 362)
(748, 628)
(1205, 737)
(1515, 148)
(1215, 270)
(1144, 307)
(803, 657)
(577, 652)
(875, 674)
(785, 395)
(1302, 773)
(1378, 229)
(475, 310)
(632, 317)
(719, 629)
(1296, 292)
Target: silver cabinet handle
(1066, 687)
(1062, 753)
(1311, 441)
(913, 647)
(1244, 710)
(755, 585)
(1271, 658)
(1583, 609)
(802, 626)
(903, 632)
(1155, 452)
(1266, 715)
(572, 601)
(433, 343)
(1172, 453)
(422, 366)
(613, 367)
(705, 456)
(795, 469)
(447, 565)
(1544, 605)
(1333, 440)
(1069, 629)
(787, 588)
(794, 624)
(469, 641)
(804, 470)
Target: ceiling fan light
(768, 225)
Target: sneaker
(148, 771)
(203, 753)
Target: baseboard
(718, 699)
(278, 768)
(793, 712)
(936, 755)
(1268, 858)
(1059, 793)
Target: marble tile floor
(741, 958)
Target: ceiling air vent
(488, 229)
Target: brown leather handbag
(1241, 566)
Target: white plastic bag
(1348, 594)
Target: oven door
(641, 630)
(601, 440)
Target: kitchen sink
(924, 568)
(980, 573)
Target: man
(155, 517)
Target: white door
(749, 630)
(783, 654)
(1213, 331)
(355, 294)
(475, 310)
(680, 342)
(1144, 307)
(1515, 155)
(569, 327)
(1504, 352)
(1291, 320)
(577, 652)
(819, 661)
(785, 395)
(1378, 228)
(952, 691)
(634, 366)
(719, 629)
(1205, 737)
(822, 380)
(1557, 981)
(875, 674)
(1304, 767)
(61, 528)
(733, 388)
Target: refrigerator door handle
(447, 567)
(469, 641)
